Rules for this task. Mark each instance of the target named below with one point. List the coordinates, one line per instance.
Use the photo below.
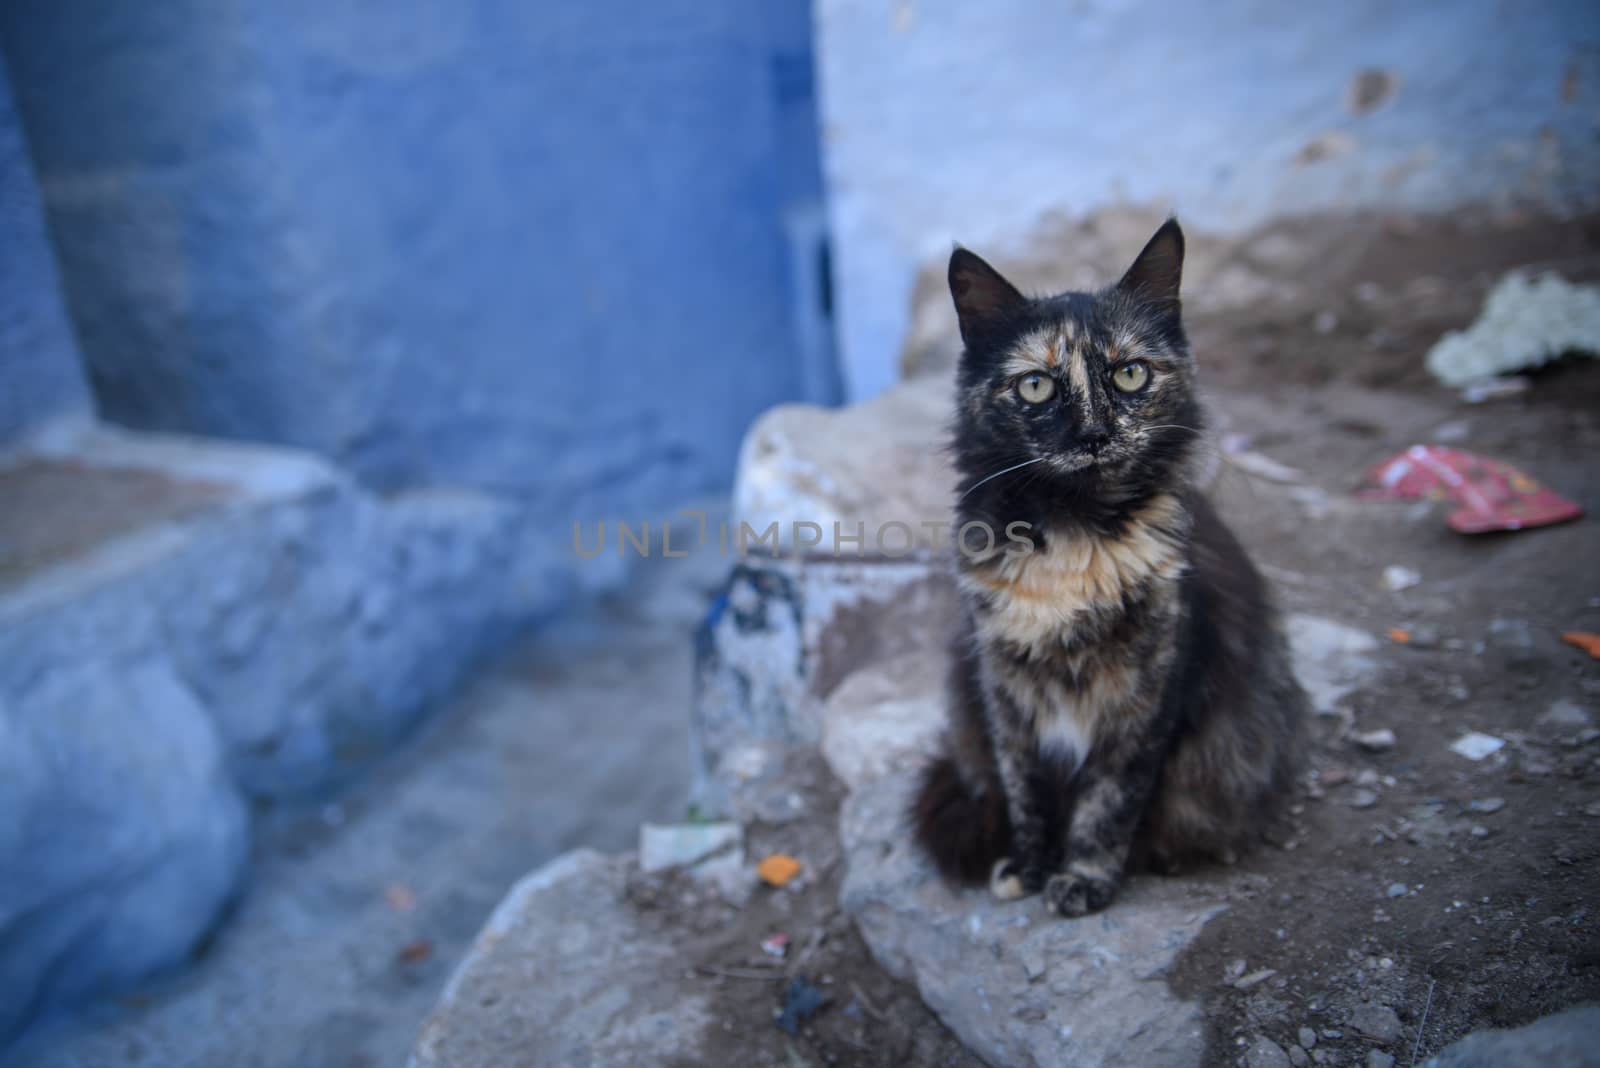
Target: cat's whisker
(997, 474)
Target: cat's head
(1093, 392)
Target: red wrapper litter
(1492, 495)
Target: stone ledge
(1021, 987)
(185, 624)
(564, 973)
(784, 633)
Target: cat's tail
(964, 830)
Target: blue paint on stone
(271, 644)
(40, 376)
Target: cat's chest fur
(1058, 595)
(1072, 630)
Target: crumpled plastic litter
(801, 1000)
(1525, 322)
(1491, 495)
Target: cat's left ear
(1158, 271)
(981, 294)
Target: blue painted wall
(40, 376)
(547, 250)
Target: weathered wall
(40, 377)
(198, 626)
(945, 121)
(543, 250)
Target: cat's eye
(1036, 388)
(1130, 377)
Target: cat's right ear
(980, 293)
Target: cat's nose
(1094, 438)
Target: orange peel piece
(778, 869)
(1585, 640)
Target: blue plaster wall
(546, 250)
(40, 376)
(948, 120)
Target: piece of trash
(801, 1000)
(1525, 322)
(1399, 636)
(686, 845)
(1475, 746)
(1589, 643)
(1361, 799)
(400, 898)
(711, 854)
(1396, 578)
(778, 869)
(1255, 978)
(775, 945)
(1492, 495)
(1375, 741)
(1424, 636)
(416, 952)
(1494, 389)
(1254, 463)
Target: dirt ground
(1457, 894)
(865, 1017)
(1420, 895)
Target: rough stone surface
(785, 633)
(352, 891)
(39, 366)
(266, 638)
(883, 716)
(852, 470)
(1099, 996)
(1377, 1022)
(1265, 1053)
(1018, 986)
(314, 621)
(115, 801)
(1565, 1038)
(564, 973)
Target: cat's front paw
(1008, 881)
(1076, 892)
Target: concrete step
(359, 907)
(186, 626)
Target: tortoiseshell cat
(1122, 692)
